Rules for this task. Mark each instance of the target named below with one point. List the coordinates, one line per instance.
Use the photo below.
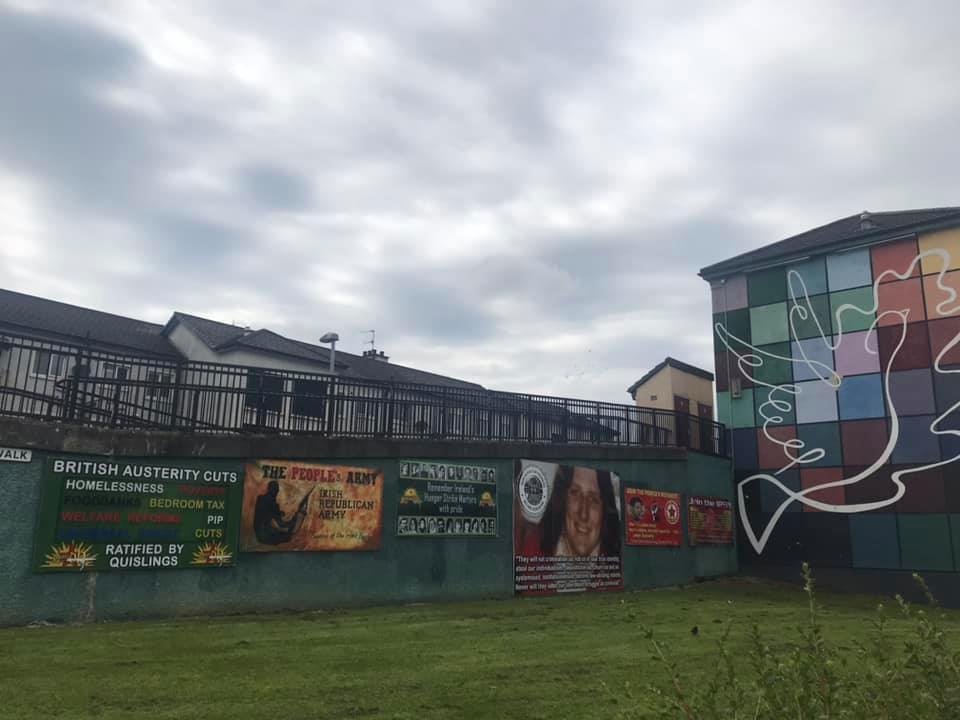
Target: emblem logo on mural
(73, 556)
(534, 493)
(780, 400)
(212, 553)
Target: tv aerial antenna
(372, 342)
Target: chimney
(866, 221)
(376, 355)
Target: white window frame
(109, 370)
(161, 394)
(52, 355)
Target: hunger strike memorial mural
(289, 505)
(840, 378)
(440, 499)
(115, 514)
(567, 529)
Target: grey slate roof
(52, 320)
(214, 334)
(837, 235)
(48, 319)
(222, 337)
(674, 363)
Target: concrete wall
(403, 570)
(854, 377)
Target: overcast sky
(516, 193)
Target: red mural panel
(811, 477)
(941, 333)
(863, 440)
(915, 352)
(895, 256)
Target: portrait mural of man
(567, 529)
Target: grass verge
(563, 657)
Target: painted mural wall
(839, 377)
(111, 536)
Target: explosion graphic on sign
(72, 555)
(211, 553)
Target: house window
(158, 385)
(653, 398)
(48, 364)
(116, 372)
(269, 387)
(309, 398)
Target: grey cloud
(52, 124)
(465, 117)
(274, 187)
(435, 306)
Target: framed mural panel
(300, 506)
(653, 517)
(567, 529)
(103, 514)
(441, 499)
(709, 520)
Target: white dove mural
(884, 327)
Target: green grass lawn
(533, 658)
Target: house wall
(696, 389)
(659, 386)
(845, 407)
(193, 348)
(402, 570)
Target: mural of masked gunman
(269, 525)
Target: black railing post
(115, 414)
(195, 407)
(389, 397)
(529, 418)
(566, 417)
(261, 412)
(332, 407)
(443, 413)
(70, 405)
(84, 374)
(175, 401)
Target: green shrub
(808, 679)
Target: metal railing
(81, 384)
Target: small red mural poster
(653, 517)
(709, 520)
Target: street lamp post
(331, 337)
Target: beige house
(677, 386)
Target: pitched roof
(837, 235)
(33, 315)
(214, 334)
(221, 337)
(674, 363)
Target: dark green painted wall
(403, 570)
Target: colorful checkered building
(818, 383)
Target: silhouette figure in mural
(781, 398)
(268, 523)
